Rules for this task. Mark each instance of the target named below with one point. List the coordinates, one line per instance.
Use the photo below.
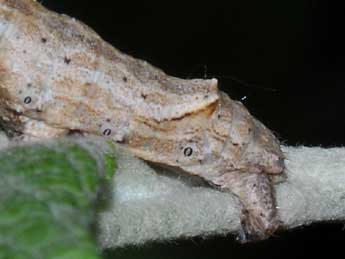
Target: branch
(147, 206)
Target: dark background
(290, 54)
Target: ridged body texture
(58, 76)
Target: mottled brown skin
(58, 76)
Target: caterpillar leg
(256, 194)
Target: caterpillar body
(58, 76)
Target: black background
(290, 54)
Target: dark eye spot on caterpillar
(107, 132)
(75, 132)
(43, 40)
(188, 151)
(27, 100)
(124, 79)
(67, 60)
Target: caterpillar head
(221, 138)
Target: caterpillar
(58, 76)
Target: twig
(147, 206)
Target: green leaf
(47, 200)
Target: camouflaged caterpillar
(58, 76)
